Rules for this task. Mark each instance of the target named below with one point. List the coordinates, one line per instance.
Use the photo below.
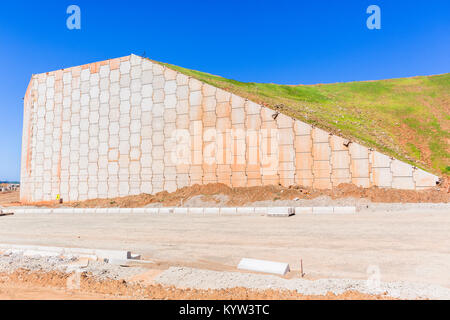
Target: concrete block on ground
(264, 266)
(280, 211)
(195, 210)
(165, 210)
(180, 210)
(323, 210)
(228, 211)
(303, 210)
(344, 210)
(262, 211)
(211, 211)
(245, 210)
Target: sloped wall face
(128, 126)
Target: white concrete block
(303, 210)
(211, 211)
(166, 210)
(245, 210)
(280, 211)
(323, 210)
(264, 266)
(195, 210)
(262, 211)
(226, 211)
(344, 210)
(180, 210)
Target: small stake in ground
(301, 268)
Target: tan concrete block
(252, 108)
(359, 168)
(284, 121)
(303, 161)
(379, 160)
(381, 177)
(424, 179)
(286, 153)
(401, 169)
(209, 119)
(340, 159)
(208, 90)
(286, 137)
(338, 143)
(182, 92)
(253, 122)
(238, 179)
(195, 98)
(321, 151)
(321, 169)
(237, 102)
(223, 110)
(238, 115)
(195, 113)
(303, 144)
(223, 96)
(358, 151)
(195, 85)
(320, 135)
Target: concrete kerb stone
(264, 266)
(44, 251)
(269, 211)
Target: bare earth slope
(408, 118)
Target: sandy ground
(410, 247)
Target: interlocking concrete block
(338, 143)
(303, 144)
(284, 121)
(379, 160)
(382, 177)
(320, 136)
(321, 151)
(321, 169)
(405, 183)
(358, 151)
(424, 179)
(222, 96)
(360, 168)
(340, 159)
(401, 169)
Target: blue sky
(288, 42)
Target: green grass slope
(407, 118)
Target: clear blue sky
(288, 42)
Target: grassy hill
(408, 118)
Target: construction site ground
(410, 247)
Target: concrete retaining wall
(128, 126)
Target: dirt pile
(242, 196)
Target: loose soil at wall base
(23, 284)
(242, 196)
